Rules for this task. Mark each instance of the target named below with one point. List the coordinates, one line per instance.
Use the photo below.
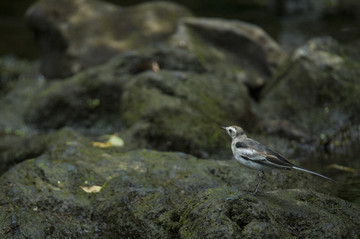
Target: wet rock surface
(148, 194)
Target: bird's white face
(231, 131)
(234, 131)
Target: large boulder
(74, 35)
(16, 146)
(172, 96)
(18, 84)
(231, 41)
(166, 99)
(242, 48)
(150, 194)
(294, 213)
(316, 94)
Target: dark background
(289, 22)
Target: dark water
(16, 39)
(290, 28)
(344, 168)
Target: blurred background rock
(289, 22)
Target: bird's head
(234, 131)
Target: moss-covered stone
(317, 90)
(11, 70)
(180, 108)
(86, 100)
(151, 194)
(16, 147)
(183, 111)
(279, 214)
(18, 83)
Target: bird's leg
(261, 175)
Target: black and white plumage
(257, 156)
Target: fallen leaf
(116, 141)
(113, 141)
(102, 145)
(95, 188)
(155, 66)
(342, 168)
(92, 189)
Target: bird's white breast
(250, 164)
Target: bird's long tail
(308, 171)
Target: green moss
(177, 113)
(157, 194)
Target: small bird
(257, 156)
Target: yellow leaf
(92, 189)
(102, 145)
(113, 141)
(155, 66)
(342, 168)
(95, 188)
(116, 141)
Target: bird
(257, 156)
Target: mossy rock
(317, 90)
(184, 111)
(224, 213)
(151, 194)
(180, 108)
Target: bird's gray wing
(265, 155)
(247, 151)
